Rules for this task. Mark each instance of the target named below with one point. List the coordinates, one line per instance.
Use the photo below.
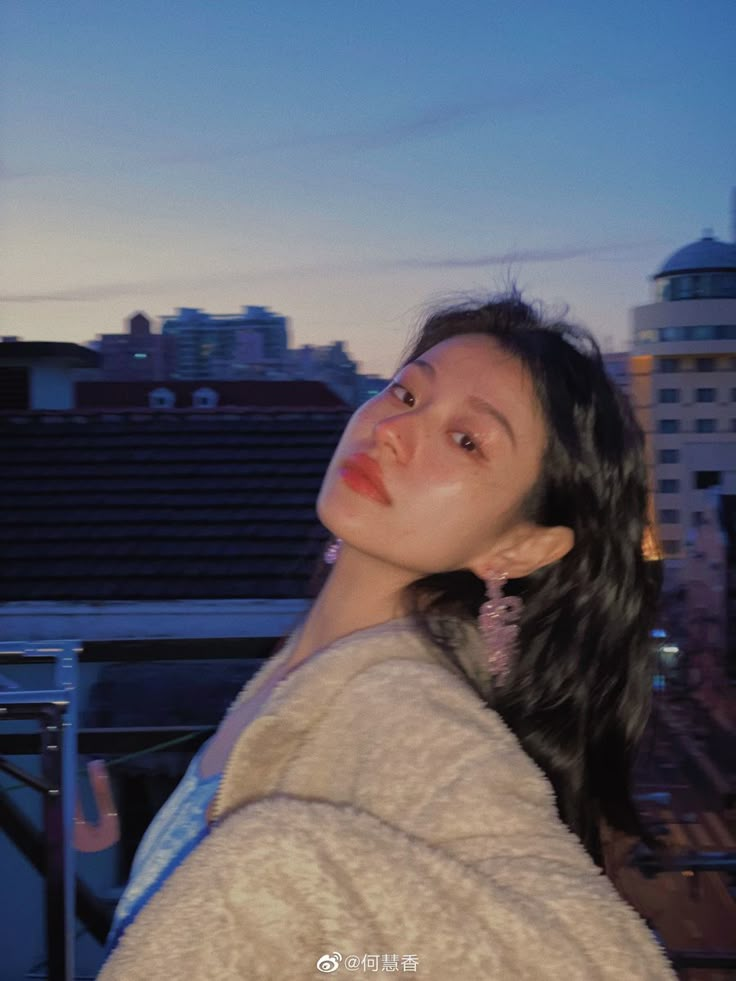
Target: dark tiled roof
(196, 505)
(134, 394)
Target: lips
(361, 473)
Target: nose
(394, 434)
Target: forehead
(478, 360)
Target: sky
(354, 164)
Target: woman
(399, 788)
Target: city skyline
(349, 168)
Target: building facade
(196, 346)
(331, 364)
(138, 354)
(618, 369)
(42, 374)
(683, 384)
(250, 344)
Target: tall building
(250, 346)
(331, 363)
(224, 346)
(683, 383)
(618, 369)
(138, 354)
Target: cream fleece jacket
(376, 809)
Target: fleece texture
(376, 806)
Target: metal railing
(58, 741)
(55, 711)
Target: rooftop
(707, 254)
(261, 393)
(74, 354)
(153, 506)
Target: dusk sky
(350, 163)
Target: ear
(528, 548)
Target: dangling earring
(332, 551)
(498, 624)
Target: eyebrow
(478, 404)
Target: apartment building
(683, 384)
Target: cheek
(466, 506)
(442, 508)
(444, 478)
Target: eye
(464, 442)
(402, 394)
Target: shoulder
(338, 879)
(404, 691)
(406, 726)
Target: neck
(360, 592)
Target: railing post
(56, 711)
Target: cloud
(370, 135)
(101, 291)
(613, 251)
(415, 124)
(412, 125)
(563, 253)
(564, 87)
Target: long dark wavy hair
(578, 696)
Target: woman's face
(430, 473)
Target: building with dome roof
(702, 270)
(683, 384)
